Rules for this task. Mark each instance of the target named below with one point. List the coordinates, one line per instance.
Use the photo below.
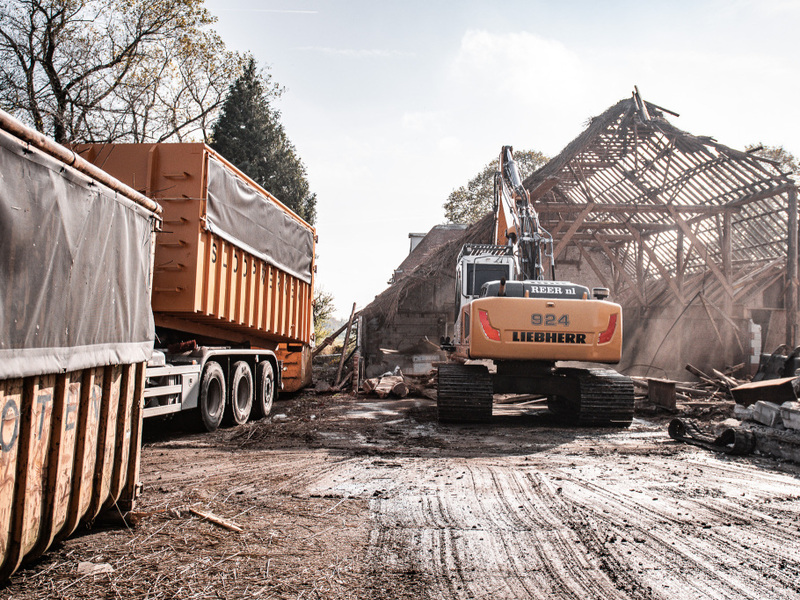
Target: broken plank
(212, 518)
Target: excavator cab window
(478, 274)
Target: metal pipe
(68, 157)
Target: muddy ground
(343, 498)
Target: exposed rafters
(639, 189)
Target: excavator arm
(517, 223)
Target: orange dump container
(76, 330)
(213, 276)
(70, 448)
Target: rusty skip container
(76, 330)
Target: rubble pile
(709, 396)
(397, 384)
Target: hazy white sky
(393, 104)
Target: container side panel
(66, 422)
(295, 325)
(40, 412)
(123, 434)
(279, 327)
(203, 268)
(222, 280)
(176, 259)
(50, 472)
(246, 302)
(85, 448)
(106, 439)
(260, 298)
(130, 491)
(10, 426)
(272, 303)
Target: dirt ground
(361, 498)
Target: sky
(391, 105)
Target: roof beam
(551, 207)
(565, 239)
(620, 269)
(761, 195)
(543, 187)
(641, 227)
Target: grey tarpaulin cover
(243, 216)
(74, 268)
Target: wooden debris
(662, 392)
(212, 518)
(344, 347)
(388, 384)
(710, 392)
(328, 340)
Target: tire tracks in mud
(712, 542)
(497, 528)
(487, 513)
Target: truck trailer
(233, 283)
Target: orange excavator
(509, 313)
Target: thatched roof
(428, 245)
(441, 259)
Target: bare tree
(113, 70)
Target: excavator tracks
(464, 393)
(584, 397)
(605, 398)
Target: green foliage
(113, 70)
(250, 135)
(323, 310)
(786, 160)
(469, 203)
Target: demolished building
(696, 240)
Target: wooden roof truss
(673, 212)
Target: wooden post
(726, 244)
(640, 269)
(679, 258)
(727, 268)
(344, 346)
(791, 270)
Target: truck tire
(265, 389)
(211, 404)
(241, 393)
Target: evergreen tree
(250, 135)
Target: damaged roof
(633, 180)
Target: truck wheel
(241, 393)
(265, 389)
(212, 396)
